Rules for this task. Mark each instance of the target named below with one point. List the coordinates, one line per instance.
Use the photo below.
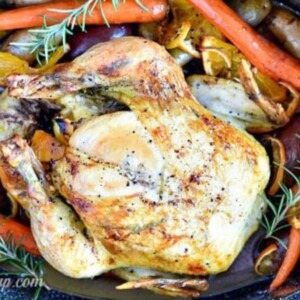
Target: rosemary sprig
(45, 39)
(22, 263)
(279, 209)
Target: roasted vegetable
(186, 29)
(63, 129)
(171, 287)
(289, 136)
(20, 35)
(274, 111)
(24, 53)
(46, 147)
(270, 88)
(224, 60)
(128, 12)
(242, 104)
(20, 233)
(251, 11)
(11, 64)
(264, 264)
(286, 27)
(290, 260)
(181, 57)
(265, 56)
(3, 33)
(227, 100)
(220, 58)
(270, 253)
(161, 282)
(81, 41)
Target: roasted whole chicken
(162, 185)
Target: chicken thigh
(165, 186)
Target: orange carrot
(264, 55)
(21, 234)
(127, 12)
(293, 213)
(295, 189)
(290, 260)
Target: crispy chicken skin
(59, 233)
(164, 186)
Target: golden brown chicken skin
(166, 185)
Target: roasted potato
(289, 136)
(286, 28)
(22, 52)
(19, 36)
(251, 11)
(82, 41)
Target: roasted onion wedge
(279, 161)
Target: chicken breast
(166, 185)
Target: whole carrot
(21, 234)
(290, 260)
(127, 12)
(264, 55)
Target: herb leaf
(22, 263)
(279, 209)
(45, 39)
